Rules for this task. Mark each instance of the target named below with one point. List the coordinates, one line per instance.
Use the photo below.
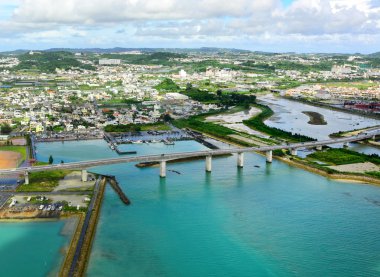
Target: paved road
(175, 156)
(82, 235)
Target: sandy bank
(338, 177)
(356, 168)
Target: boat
(168, 142)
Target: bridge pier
(293, 152)
(319, 148)
(269, 155)
(162, 169)
(240, 160)
(84, 175)
(374, 138)
(26, 175)
(208, 163)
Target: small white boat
(168, 142)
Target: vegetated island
(315, 118)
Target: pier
(112, 141)
(124, 152)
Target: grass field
(43, 181)
(341, 156)
(358, 85)
(155, 127)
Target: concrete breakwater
(83, 246)
(115, 185)
(80, 249)
(124, 152)
(206, 143)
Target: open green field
(358, 85)
(18, 149)
(155, 127)
(43, 181)
(197, 123)
(341, 156)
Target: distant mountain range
(202, 50)
(209, 50)
(375, 55)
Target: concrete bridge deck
(163, 158)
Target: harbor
(150, 195)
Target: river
(289, 117)
(262, 220)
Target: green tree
(51, 160)
(134, 116)
(5, 128)
(189, 87)
(167, 85)
(219, 92)
(167, 117)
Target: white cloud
(350, 22)
(95, 11)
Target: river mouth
(315, 118)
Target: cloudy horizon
(339, 26)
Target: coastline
(29, 219)
(81, 262)
(339, 177)
(71, 248)
(90, 232)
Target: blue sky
(287, 2)
(347, 26)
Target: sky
(304, 26)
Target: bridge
(208, 154)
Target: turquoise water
(70, 151)
(31, 248)
(271, 220)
